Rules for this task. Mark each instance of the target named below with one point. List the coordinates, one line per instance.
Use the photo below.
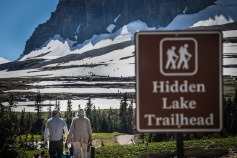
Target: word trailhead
(178, 81)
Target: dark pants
(56, 147)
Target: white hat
(80, 112)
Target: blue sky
(18, 20)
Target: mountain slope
(221, 13)
(80, 20)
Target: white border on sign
(137, 83)
(182, 73)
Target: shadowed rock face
(81, 19)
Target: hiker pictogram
(180, 61)
(178, 56)
(172, 58)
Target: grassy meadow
(112, 149)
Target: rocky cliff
(79, 20)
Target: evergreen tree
(8, 142)
(21, 142)
(16, 123)
(57, 105)
(229, 115)
(99, 121)
(116, 120)
(123, 115)
(38, 106)
(69, 108)
(26, 140)
(234, 114)
(69, 113)
(12, 103)
(235, 98)
(49, 112)
(94, 120)
(88, 108)
(22, 122)
(130, 122)
(104, 123)
(225, 117)
(37, 124)
(28, 123)
(110, 121)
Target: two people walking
(80, 134)
(182, 59)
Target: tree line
(102, 121)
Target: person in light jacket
(54, 128)
(80, 133)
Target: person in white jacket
(54, 128)
(80, 133)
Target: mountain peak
(79, 20)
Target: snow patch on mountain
(224, 11)
(3, 61)
(115, 20)
(111, 64)
(110, 28)
(57, 47)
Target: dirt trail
(124, 139)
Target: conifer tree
(69, 108)
(16, 123)
(69, 113)
(99, 121)
(235, 98)
(21, 142)
(116, 120)
(28, 123)
(12, 103)
(38, 106)
(8, 141)
(110, 121)
(123, 115)
(37, 124)
(229, 115)
(22, 122)
(88, 108)
(57, 105)
(104, 123)
(94, 120)
(49, 112)
(234, 114)
(130, 122)
(225, 116)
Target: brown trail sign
(178, 81)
